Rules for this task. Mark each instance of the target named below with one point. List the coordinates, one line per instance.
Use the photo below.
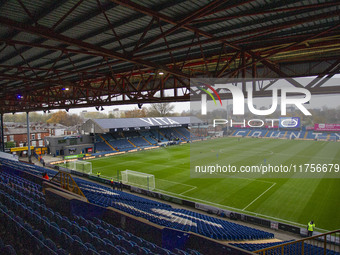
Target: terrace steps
(180, 133)
(107, 143)
(146, 140)
(131, 143)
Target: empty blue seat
(61, 251)
(86, 236)
(78, 247)
(101, 252)
(98, 242)
(92, 252)
(76, 238)
(76, 229)
(51, 244)
(120, 248)
(66, 240)
(8, 250)
(90, 246)
(38, 235)
(1, 243)
(112, 249)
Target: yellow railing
(180, 133)
(305, 136)
(107, 142)
(131, 143)
(66, 181)
(146, 140)
(318, 244)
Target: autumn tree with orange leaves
(64, 118)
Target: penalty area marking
(258, 196)
(267, 152)
(256, 180)
(188, 190)
(178, 183)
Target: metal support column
(227, 117)
(2, 140)
(28, 138)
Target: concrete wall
(91, 127)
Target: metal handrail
(320, 238)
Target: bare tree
(160, 110)
(136, 113)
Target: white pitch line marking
(188, 190)
(176, 183)
(197, 199)
(258, 196)
(238, 210)
(255, 180)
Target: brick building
(19, 136)
(54, 129)
(17, 133)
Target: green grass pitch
(290, 200)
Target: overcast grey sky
(331, 101)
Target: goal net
(80, 166)
(333, 138)
(138, 179)
(327, 138)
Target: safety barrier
(66, 182)
(327, 243)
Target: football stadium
(230, 143)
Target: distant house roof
(19, 131)
(37, 125)
(72, 128)
(11, 123)
(53, 125)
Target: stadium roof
(128, 124)
(74, 53)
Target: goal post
(80, 166)
(138, 179)
(328, 138)
(333, 138)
